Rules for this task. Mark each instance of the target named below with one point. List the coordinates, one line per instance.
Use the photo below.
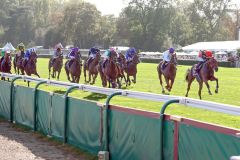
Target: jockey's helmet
(32, 50)
(21, 46)
(209, 54)
(171, 50)
(76, 49)
(133, 50)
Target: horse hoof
(163, 92)
(216, 91)
(210, 93)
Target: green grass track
(147, 81)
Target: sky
(109, 6)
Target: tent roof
(214, 46)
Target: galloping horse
(109, 72)
(31, 66)
(92, 69)
(6, 67)
(121, 67)
(169, 73)
(57, 64)
(206, 73)
(131, 69)
(75, 68)
(18, 64)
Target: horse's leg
(208, 87)
(73, 78)
(94, 78)
(189, 85)
(49, 73)
(167, 82)
(128, 80)
(134, 78)
(119, 83)
(217, 86)
(85, 73)
(37, 75)
(171, 84)
(160, 79)
(28, 82)
(200, 89)
(58, 75)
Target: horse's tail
(187, 74)
(159, 70)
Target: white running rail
(213, 106)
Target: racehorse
(131, 69)
(6, 67)
(109, 71)
(121, 67)
(206, 73)
(169, 73)
(74, 69)
(56, 64)
(31, 66)
(18, 64)
(92, 68)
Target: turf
(147, 81)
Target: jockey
(92, 54)
(167, 57)
(5, 52)
(57, 52)
(203, 56)
(130, 54)
(20, 50)
(72, 54)
(27, 55)
(107, 55)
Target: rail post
(11, 97)
(106, 121)
(35, 103)
(66, 111)
(165, 105)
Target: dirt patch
(21, 144)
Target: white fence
(213, 106)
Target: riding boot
(163, 65)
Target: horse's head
(113, 56)
(173, 59)
(33, 56)
(135, 59)
(78, 57)
(213, 64)
(98, 56)
(7, 57)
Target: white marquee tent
(229, 46)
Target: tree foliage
(145, 24)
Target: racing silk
(21, 53)
(27, 54)
(167, 56)
(130, 54)
(71, 55)
(107, 54)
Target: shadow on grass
(95, 97)
(59, 91)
